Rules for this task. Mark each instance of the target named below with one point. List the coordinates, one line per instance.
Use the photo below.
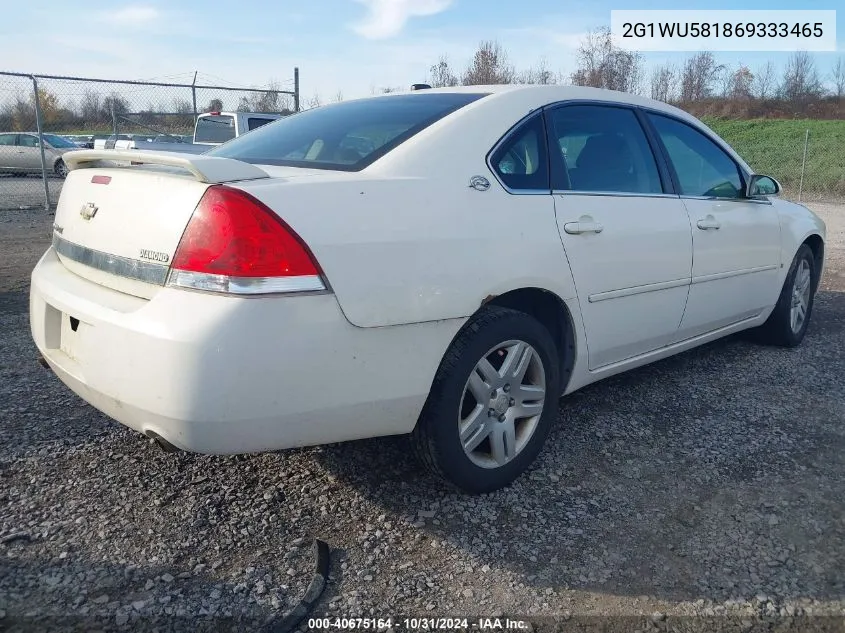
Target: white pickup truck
(211, 129)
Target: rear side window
(254, 122)
(602, 149)
(7, 139)
(521, 162)
(215, 129)
(345, 136)
(27, 141)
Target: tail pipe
(162, 443)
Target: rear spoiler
(209, 169)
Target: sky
(351, 47)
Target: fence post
(40, 129)
(803, 164)
(194, 96)
(296, 89)
(113, 122)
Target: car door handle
(576, 228)
(708, 223)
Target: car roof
(539, 95)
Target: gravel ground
(710, 484)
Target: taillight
(234, 244)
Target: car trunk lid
(121, 214)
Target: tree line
(97, 111)
(699, 84)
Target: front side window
(27, 140)
(602, 149)
(345, 136)
(703, 168)
(521, 162)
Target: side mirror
(760, 186)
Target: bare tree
(801, 81)
(338, 97)
(664, 83)
(89, 106)
(7, 115)
(182, 106)
(602, 64)
(838, 76)
(441, 75)
(697, 78)
(23, 113)
(539, 74)
(113, 103)
(313, 102)
(738, 83)
(489, 66)
(763, 86)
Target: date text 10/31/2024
(418, 624)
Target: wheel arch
(816, 244)
(551, 311)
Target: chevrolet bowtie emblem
(88, 211)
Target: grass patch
(776, 148)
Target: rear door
(736, 240)
(626, 233)
(29, 154)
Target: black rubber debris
(17, 536)
(293, 618)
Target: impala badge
(88, 211)
(479, 183)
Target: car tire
(508, 358)
(60, 169)
(787, 324)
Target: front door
(736, 240)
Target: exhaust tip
(162, 443)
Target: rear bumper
(214, 374)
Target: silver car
(19, 153)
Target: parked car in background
(211, 129)
(21, 154)
(215, 128)
(445, 264)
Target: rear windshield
(215, 129)
(345, 136)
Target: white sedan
(444, 263)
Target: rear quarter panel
(400, 250)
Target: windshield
(215, 129)
(345, 136)
(58, 141)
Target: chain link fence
(807, 157)
(43, 116)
